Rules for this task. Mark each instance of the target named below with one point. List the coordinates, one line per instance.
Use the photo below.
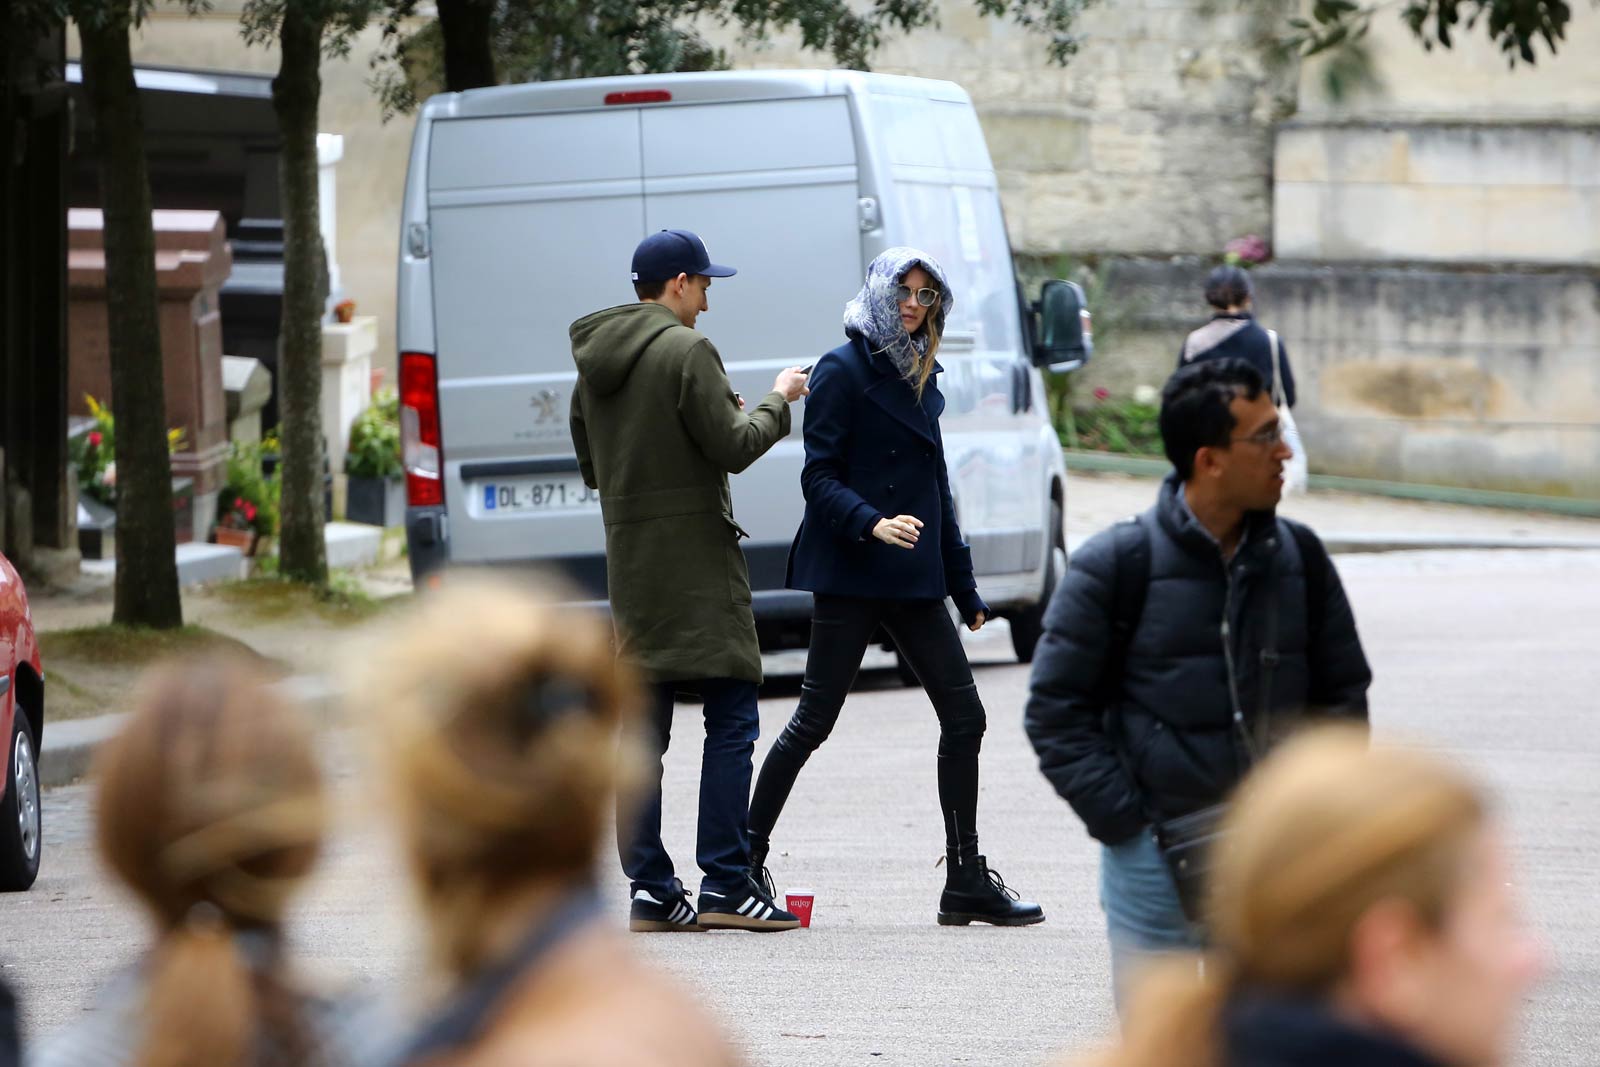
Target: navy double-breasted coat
(874, 451)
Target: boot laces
(999, 883)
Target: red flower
(94, 438)
(1102, 393)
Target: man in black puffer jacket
(1147, 700)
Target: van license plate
(538, 494)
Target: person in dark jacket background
(1157, 729)
(879, 546)
(1233, 332)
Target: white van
(523, 205)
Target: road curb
(1351, 544)
(67, 751)
(68, 747)
(1152, 467)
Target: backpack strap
(1130, 581)
(1314, 557)
(1279, 398)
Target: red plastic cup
(799, 901)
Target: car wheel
(1027, 626)
(21, 820)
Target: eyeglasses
(926, 297)
(1266, 437)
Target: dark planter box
(97, 529)
(376, 501)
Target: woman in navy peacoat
(879, 548)
(872, 451)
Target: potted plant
(93, 456)
(237, 526)
(247, 507)
(376, 493)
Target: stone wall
(1156, 139)
(1451, 377)
(1438, 192)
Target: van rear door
(533, 218)
(771, 185)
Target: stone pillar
(248, 387)
(192, 261)
(347, 349)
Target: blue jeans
(1144, 917)
(723, 845)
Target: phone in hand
(806, 370)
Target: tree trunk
(147, 572)
(468, 59)
(296, 92)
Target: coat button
(891, 489)
(893, 453)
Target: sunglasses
(926, 297)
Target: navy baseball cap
(665, 255)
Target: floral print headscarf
(874, 313)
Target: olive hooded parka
(658, 430)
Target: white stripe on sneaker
(766, 913)
(748, 908)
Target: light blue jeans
(1144, 917)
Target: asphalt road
(1488, 656)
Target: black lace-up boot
(759, 847)
(975, 894)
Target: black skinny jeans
(841, 629)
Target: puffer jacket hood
(607, 344)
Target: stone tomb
(192, 262)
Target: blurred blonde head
(1369, 878)
(210, 809)
(497, 715)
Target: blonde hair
(1320, 833)
(497, 713)
(931, 325)
(210, 808)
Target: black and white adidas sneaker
(673, 915)
(749, 908)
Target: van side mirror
(1064, 335)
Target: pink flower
(1248, 250)
(1102, 394)
(94, 438)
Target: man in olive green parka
(658, 429)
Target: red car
(21, 725)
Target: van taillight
(642, 96)
(419, 429)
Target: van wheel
(1027, 626)
(21, 823)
